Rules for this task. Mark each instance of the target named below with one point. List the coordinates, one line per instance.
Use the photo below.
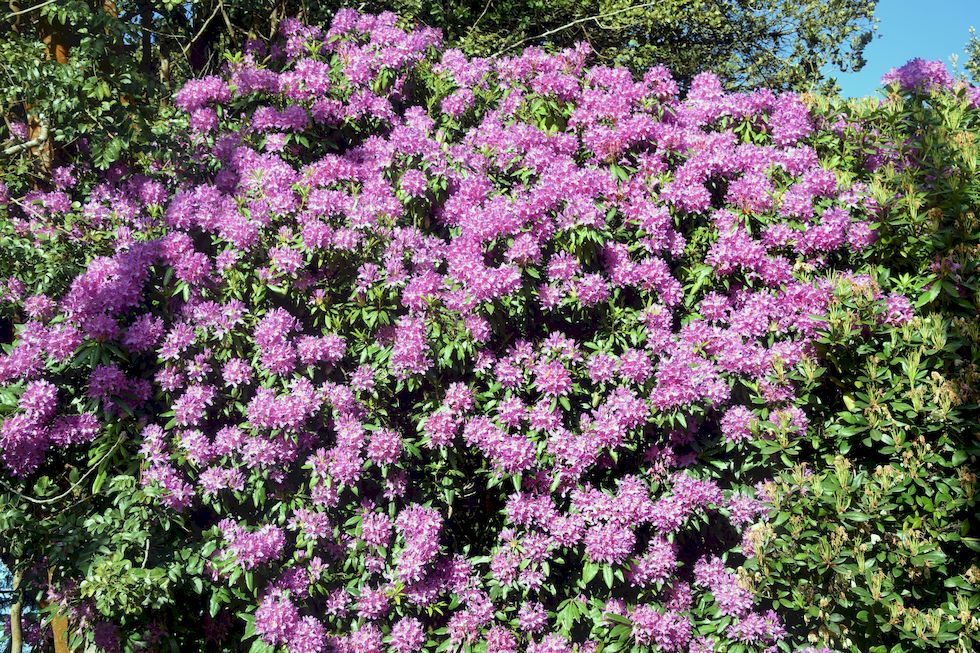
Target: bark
(56, 42)
(165, 55)
(16, 634)
(15, 12)
(59, 625)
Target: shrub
(423, 351)
(874, 535)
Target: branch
(20, 12)
(224, 14)
(596, 18)
(484, 13)
(42, 136)
(214, 13)
(75, 486)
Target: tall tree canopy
(972, 63)
(776, 43)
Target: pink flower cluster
(28, 434)
(464, 344)
(922, 76)
(252, 549)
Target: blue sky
(931, 29)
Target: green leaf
(99, 481)
(589, 570)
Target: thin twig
(473, 26)
(43, 502)
(224, 14)
(572, 24)
(214, 13)
(20, 12)
(157, 32)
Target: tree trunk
(59, 625)
(56, 49)
(53, 37)
(16, 634)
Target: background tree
(96, 74)
(972, 62)
(775, 43)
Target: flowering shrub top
(436, 345)
(922, 76)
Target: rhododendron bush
(433, 353)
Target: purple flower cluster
(922, 76)
(251, 549)
(668, 631)
(480, 318)
(28, 434)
